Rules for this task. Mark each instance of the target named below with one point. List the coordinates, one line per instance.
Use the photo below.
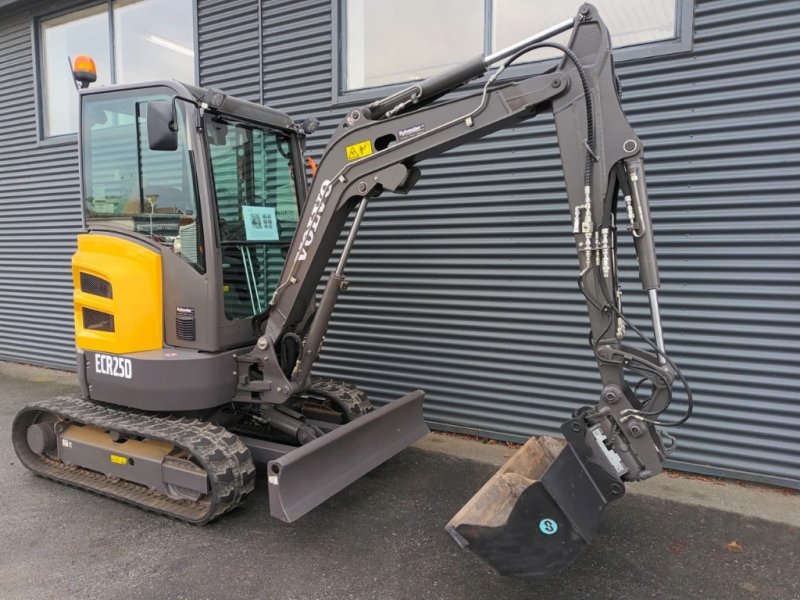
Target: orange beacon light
(84, 70)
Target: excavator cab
(194, 181)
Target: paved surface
(382, 538)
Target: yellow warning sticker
(119, 460)
(359, 150)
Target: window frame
(39, 83)
(340, 95)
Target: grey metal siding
(39, 212)
(466, 288)
(228, 47)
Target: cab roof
(217, 100)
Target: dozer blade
(304, 478)
(538, 512)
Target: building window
(130, 40)
(630, 23)
(388, 41)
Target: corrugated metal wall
(466, 288)
(228, 46)
(39, 211)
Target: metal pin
(656, 318)
(351, 237)
(620, 322)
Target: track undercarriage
(183, 468)
(196, 469)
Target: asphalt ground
(382, 538)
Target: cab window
(127, 185)
(257, 209)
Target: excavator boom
(562, 489)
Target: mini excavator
(197, 323)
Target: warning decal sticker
(359, 150)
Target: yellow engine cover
(118, 295)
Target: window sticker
(260, 223)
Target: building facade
(466, 287)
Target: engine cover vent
(91, 284)
(97, 320)
(185, 328)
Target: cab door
(256, 206)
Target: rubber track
(225, 458)
(352, 400)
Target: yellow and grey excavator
(197, 325)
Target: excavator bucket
(536, 514)
(303, 478)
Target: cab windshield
(257, 209)
(130, 186)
